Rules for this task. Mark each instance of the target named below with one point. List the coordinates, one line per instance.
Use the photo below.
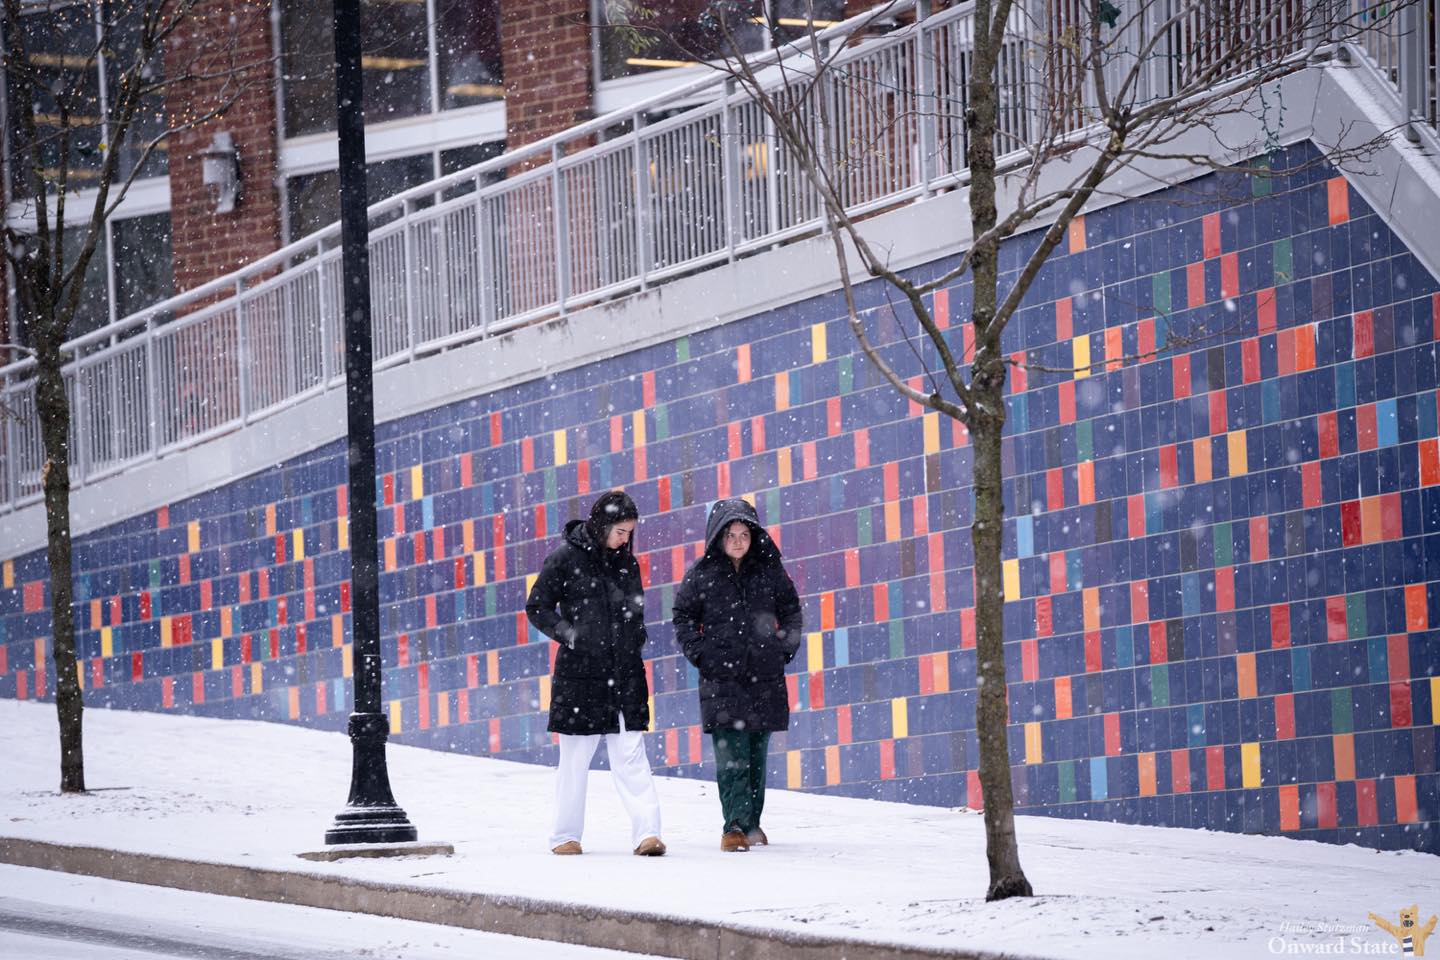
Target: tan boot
(650, 847)
(569, 848)
(733, 841)
(757, 838)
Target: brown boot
(569, 848)
(733, 841)
(757, 838)
(650, 847)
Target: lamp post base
(371, 815)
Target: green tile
(662, 422)
(682, 350)
(1342, 718)
(1084, 440)
(1224, 546)
(1260, 183)
(897, 638)
(863, 521)
(1160, 297)
(1160, 685)
(1355, 626)
(1067, 781)
(847, 373)
(1284, 257)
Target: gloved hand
(565, 633)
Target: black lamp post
(371, 814)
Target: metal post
(642, 203)
(730, 164)
(243, 367)
(929, 104)
(408, 278)
(320, 306)
(485, 252)
(371, 814)
(562, 229)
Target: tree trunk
(1007, 879)
(54, 410)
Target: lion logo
(1410, 935)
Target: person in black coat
(589, 599)
(737, 619)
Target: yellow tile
(107, 643)
(257, 681)
(817, 343)
(217, 654)
(1250, 765)
(270, 520)
(394, 716)
(347, 661)
(80, 673)
(480, 569)
(1238, 462)
(832, 765)
(792, 769)
(1435, 700)
(782, 465)
(442, 708)
(467, 533)
(748, 498)
(9, 574)
(638, 421)
(343, 533)
(1080, 349)
(166, 637)
(194, 535)
(389, 554)
(815, 651)
(1011, 570)
(298, 538)
(530, 582)
(492, 667)
(417, 482)
(1091, 604)
(899, 718)
(932, 432)
(892, 520)
(1033, 752)
(337, 630)
(560, 458)
(544, 692)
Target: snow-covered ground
(258, 794)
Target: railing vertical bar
(562, 230)
(242, 352)
(643, 227)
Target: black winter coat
(739, 628)
(594, 607)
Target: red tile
(1139, 601)
(1179, 771)
(1064, 329)
(1265, 310)
(1019, 379)
(1210, 226)
(1180, 376)
(1224, 589)
(887, 758)
(1029, 661)
(1135, 504)
(1169, 467)
(1112, 734)
(1195, 285)
(1219, 415)
(1335, 622)
(1429, 462)
(1406, 810)
(1055, 488)
(1289, 808)
(1364, 326)
(1366, 814)
(1417, 617)
(1044, 624)
(1094, 659)
(1400, 709)
(1259, 539)
(1280, 625)
(1229, 276)
(1350, 527)
(1285, 716)
(1391, 520)
(1250, 360)
(1325, 805)
(1067, 401)
(1310, 492)
(1215, 768)
(1158, 642)
(1338, 194)
(1330, 435)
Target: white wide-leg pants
(629, 768)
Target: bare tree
(66, 137)
(1038, 108)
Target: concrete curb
(615, 929)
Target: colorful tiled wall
(1223, 543)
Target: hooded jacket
(591, 602)
(739, 627)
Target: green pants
(740, 774)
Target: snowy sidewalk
(254, 795)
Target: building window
(399, 62)
(68, 60)
(139, 258)
(641, 36)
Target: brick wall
(234, 39)
(548, 67)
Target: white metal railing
(619, 204)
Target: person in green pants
(738, 620)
